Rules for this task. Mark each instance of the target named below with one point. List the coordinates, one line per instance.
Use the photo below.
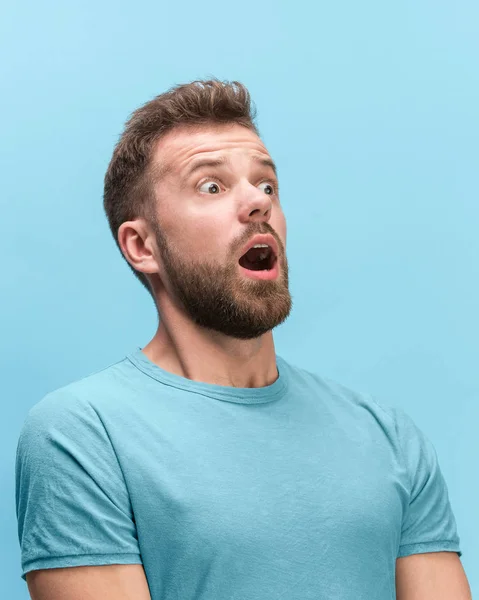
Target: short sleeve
(72, 504)
(428, 522)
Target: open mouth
(259, 258)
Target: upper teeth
(263, 254)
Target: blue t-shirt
(303, 489)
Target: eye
(268, 189)
(209, 187)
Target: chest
(267, 486)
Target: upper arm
(107, 582)
(431, 576)
(428, 523)
(73, 504)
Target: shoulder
(78, 395)
(76, 407)
(345, 397)
(363, 410)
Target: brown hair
(128, 190)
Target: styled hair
(128, 186)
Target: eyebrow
(267, 162)
(222, 161)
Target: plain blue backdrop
(370, 110)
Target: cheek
(204, 239)
(279, 226)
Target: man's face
(206, 214)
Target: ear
(136, 241)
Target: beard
(219, 298)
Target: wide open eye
(210, 187)
(268, 189)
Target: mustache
(257, 229)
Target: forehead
(176, 149)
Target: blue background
(370, 110)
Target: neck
(183, 348)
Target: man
(205, 466)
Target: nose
(256, 205)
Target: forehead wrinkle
(192, 156)
(198, 163)
(168, 168)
